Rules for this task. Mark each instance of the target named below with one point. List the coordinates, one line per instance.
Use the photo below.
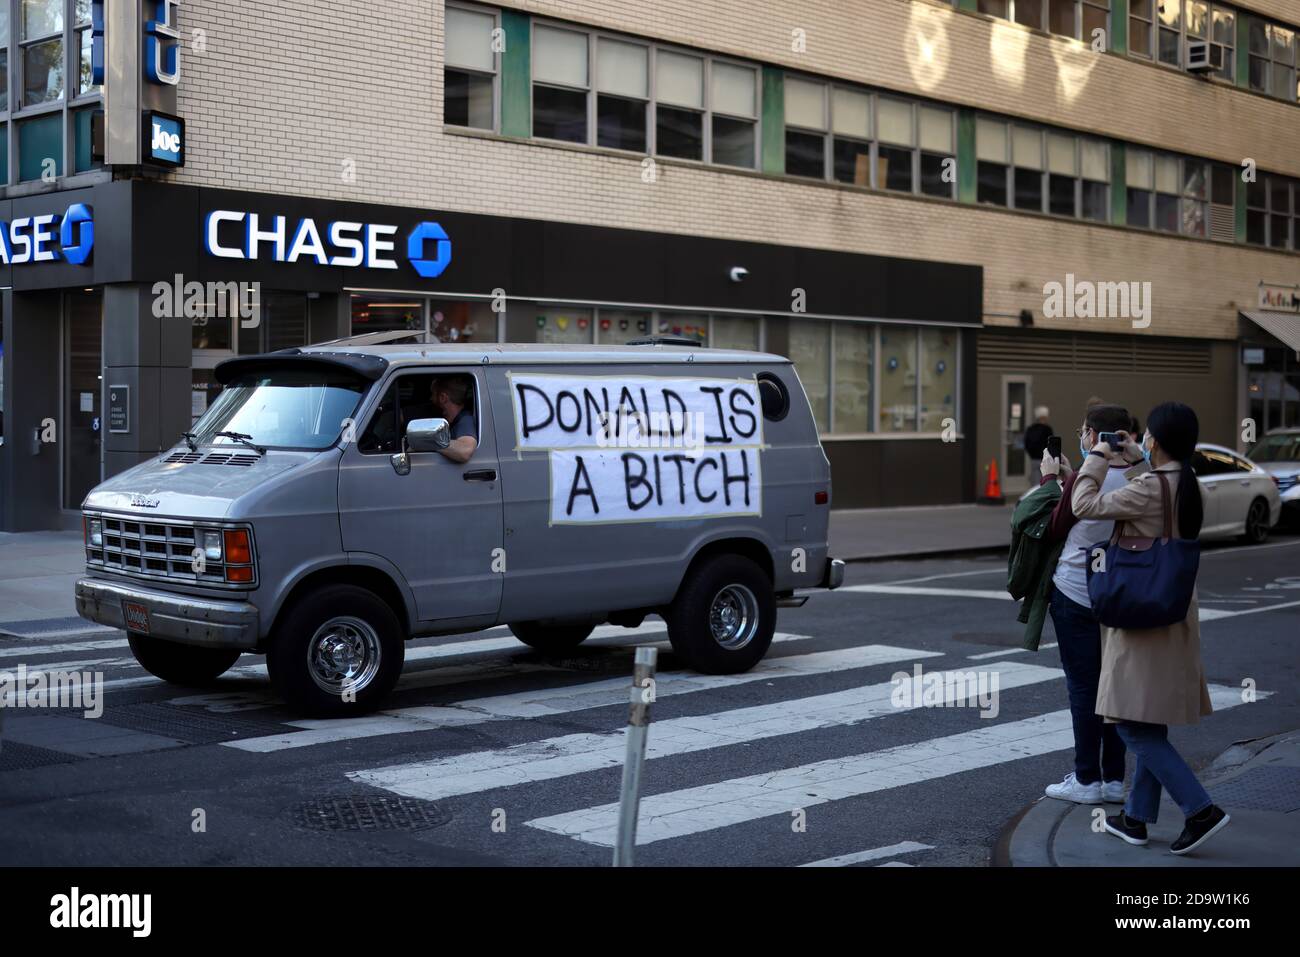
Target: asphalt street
(491, 754)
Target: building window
(679, 105)
(1140, 26)
(469, 78)
(1269, 212)
(1094, 190)
(560, 84)
(805, 128)
(282, 325)
(1140, 177)
(733, 106)
(1168, 192)
(936, 133)
(1272, 59)
(898, 378)
(896, 142)
(1158, 30)
(735, 332)
(992, 154)
(622, 94)
(41, 51)
(1067, 18)
(82, 44)
(810, 351)
(851, 124)
(1027, 161)
(938, 378)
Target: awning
(1282, 325)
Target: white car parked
(1240, 497)
(1278, 452)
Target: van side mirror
(427, 435)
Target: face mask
(1083, 448)
(1146, 454)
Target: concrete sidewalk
(38, 569)
(1256, 782)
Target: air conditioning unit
(1204, 57)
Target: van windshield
(288, 409)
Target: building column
(29, 460)
(151, 356)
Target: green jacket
(1033, 559)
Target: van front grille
(163, 550)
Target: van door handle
(481, 475)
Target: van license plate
(136, 617)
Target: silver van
(334, 501)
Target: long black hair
(1177, 429)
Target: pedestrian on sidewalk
(1099, 751)
(1152, 677)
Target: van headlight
(95, 532)
(212, 546)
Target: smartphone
(1054, 446)
(1113, 439)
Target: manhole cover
(370, 814)
(1266, 788)
(24, 757)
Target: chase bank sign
(232, 234)
(49, 237)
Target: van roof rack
(665, 341)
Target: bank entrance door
(1017, 392)
(83, 419)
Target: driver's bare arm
(461, 450)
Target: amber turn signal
(237, 550)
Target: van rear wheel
(187, 665)
(338, 651)
(724, 615)
(551, 639)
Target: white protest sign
(572, 412)
(631, 485)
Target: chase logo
(31, 239)
(415, 246)
(166, 139)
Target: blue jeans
(1158, 764)
(1098, 749)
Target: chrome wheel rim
(733, 617)
(343, 655)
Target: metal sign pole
(638, 726)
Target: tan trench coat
(1151, 674)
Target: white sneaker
(1071, 790)
(1112, 792)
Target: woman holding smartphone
(1152, 677)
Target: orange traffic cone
(992, 487)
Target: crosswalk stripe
(543, 702)
(578, 753)
(62, 648)
(925, 590)
(707, 807)
(875, 854)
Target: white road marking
(66, 647)
(931, 578)
(739, 800)
(1007, 651)
(542, 702)
(578, 753)
(926, 591)
(875, 854)
(1213, 614)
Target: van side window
(408, 398)
(775, 397)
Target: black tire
(551, 639)
(338, 619)
(187, 665)
(1256, 522)
(726, 579)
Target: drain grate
(1266, 788)
(370, 814)
(24, 757)
(190, 725)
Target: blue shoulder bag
(1145, 582)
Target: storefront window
(386, 314)
(938, 378)
(619, 326)
(282, 324)
(462, 321)
(854, 351)
(562, 325)
(690, 325)
(211, 332)
(898, 378)
(735, 332)
(810, 353)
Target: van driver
(450, 394)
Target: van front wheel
(551, 639)
(338, 651)
(186, 665)
(724, 615)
